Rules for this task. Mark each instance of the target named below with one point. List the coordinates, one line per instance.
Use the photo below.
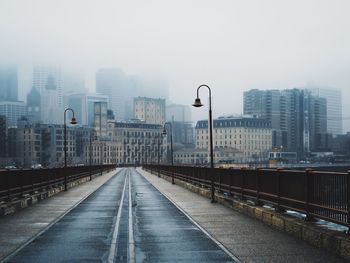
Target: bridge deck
(124, 220)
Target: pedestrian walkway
(18, 229)
(248, 239)
(164, 234)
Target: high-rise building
(334, 108)
(183, 133)
(178, 113)
(13, 111)
(100, 119)
(34, 105)
(8, 84)
(3, 137)
(47, 80)
(114, 84)
(73, 81)
(297, 117)
(83, 106)
(149, 110)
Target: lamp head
(73, 121)
(197, 103)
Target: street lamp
(198, 103)
(158, 138)
(73, 121)
(171, 148)
(92, 136)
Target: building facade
(150, 110)
(84, 105)
(42, 144)
(34, 106)
(250, 136)
(334, 108)
(48, 81)
(297, 117)
(8, 84)
(13, 111)
(193, 156)
(3, 137)
(178, 113)
(127, 143)
(117, 87)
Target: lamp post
(171, 148)
(73, 121)
(158, 154)
(92, 134)
(198, 103)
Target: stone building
(149, 110)
(250, 136)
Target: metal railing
(18, 182)
(317, 194)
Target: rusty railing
(18, 182)
(317, 194)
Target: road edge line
(113, 247)
(131, 229)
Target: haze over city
(108, 155)
(230, 45)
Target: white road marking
(113, 248)
(131, 229)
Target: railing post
(242, 182)
(348, 200)
(31, 180)
(212, 185)
(172, 174)
(308, 195)
(278, 208)
(219, 175)
(230, 186)
(7, 175)
(257, 185)
(22, 183)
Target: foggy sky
(230, 45)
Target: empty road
(125, 220)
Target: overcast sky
(230, 45)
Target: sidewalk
(246, 238)
(19, 228)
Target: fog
(230, 45)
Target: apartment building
(149, 110)
(250, 136)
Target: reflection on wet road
(126, 220)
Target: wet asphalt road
(99, 230)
